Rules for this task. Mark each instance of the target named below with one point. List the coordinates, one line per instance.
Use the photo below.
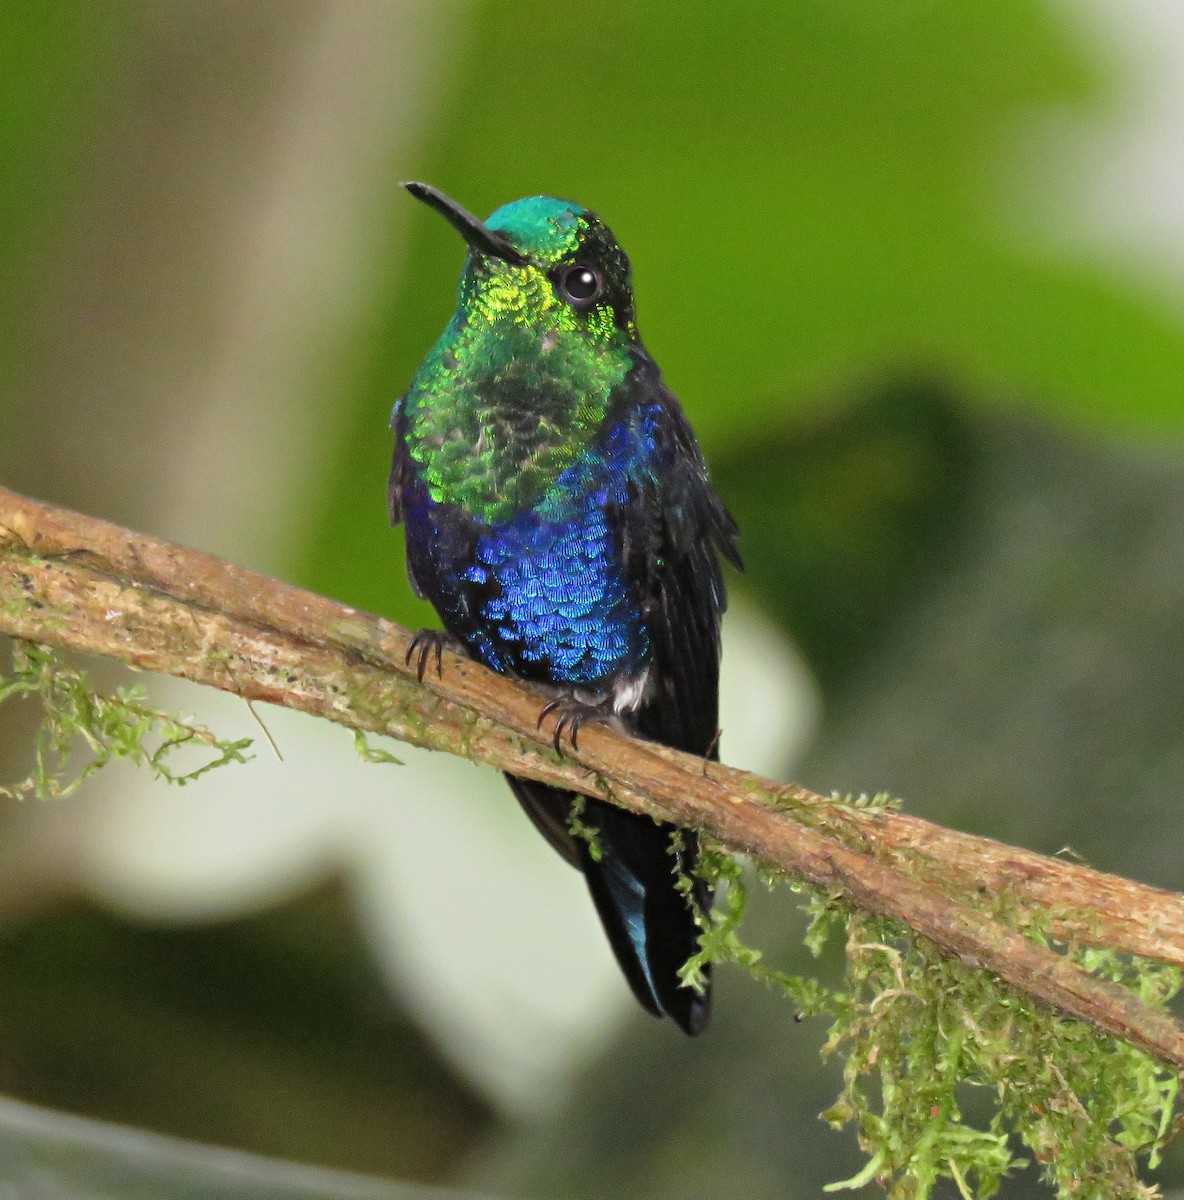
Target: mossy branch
(69, 580)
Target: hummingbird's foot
(429, 643)
(572, 712)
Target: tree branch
(72, 581)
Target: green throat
(512, 394)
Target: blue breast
(562, 609)
(544, 595)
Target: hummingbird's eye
(581, 284)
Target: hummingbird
(560, 519)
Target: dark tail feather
(649, 924)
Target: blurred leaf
(1034, 691)
(56, 61)
(272, 1033)
(844, 519)
(50, 1156)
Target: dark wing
(672, 530)
(550, 811)
(675, 532)
(394, 483)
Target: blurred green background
(915, 269)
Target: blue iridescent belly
(544, 594)
(561, 609)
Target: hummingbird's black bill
(483, 240)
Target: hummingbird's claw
(572, 714)
(428, 643)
